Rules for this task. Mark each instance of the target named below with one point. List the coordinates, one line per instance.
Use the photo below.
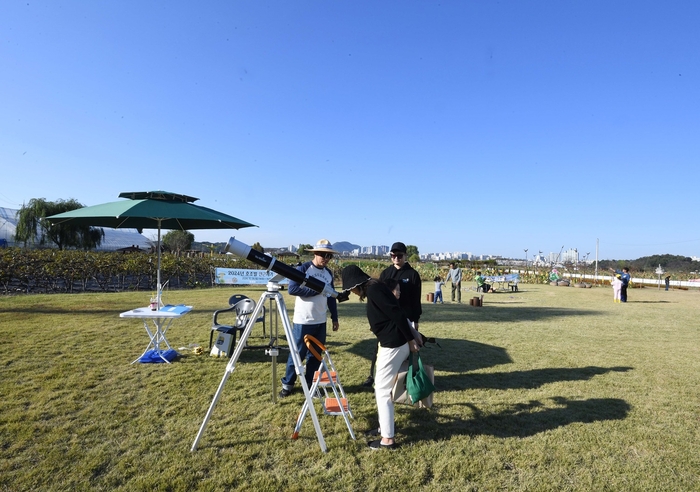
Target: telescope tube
(269, 263)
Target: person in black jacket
(389, 324)
(409, 280)
(410, 284)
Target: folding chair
(243, 306)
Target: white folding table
(161, 319)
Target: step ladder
(326, 379)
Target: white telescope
(269, 263)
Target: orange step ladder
(327, 380)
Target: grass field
(549, 388)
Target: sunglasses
(398, 255)
(325, 256)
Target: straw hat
(323, 246)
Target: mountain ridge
(345, 246)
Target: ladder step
(324, 378)
(331, 406)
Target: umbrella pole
(158, 286)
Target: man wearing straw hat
(310, 316)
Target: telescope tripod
(275, 296)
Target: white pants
(388, 364)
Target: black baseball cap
(398, 248)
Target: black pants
(623, 293)
(457, 287)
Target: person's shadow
(530, 379)
(463, 355)
(457, 359)
(519, 420)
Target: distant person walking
(438, 290)
(454, 275)
(626, 278)
(667, 281)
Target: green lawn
(549, 388)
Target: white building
(375, 250)
(570, 256)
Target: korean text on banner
(241, 276)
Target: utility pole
(596, 261)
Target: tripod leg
(230, 367)
(210, 411)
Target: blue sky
(479, 126)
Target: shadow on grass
(496, 312)
(72, 311)
(522, 379)
(650, 302)
(519, 420)
(85, 310)
(463, 355)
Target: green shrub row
(55, 271)
(68, 271)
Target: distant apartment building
(570, 256)
(370, 251)
(446, 256)
(538, 259)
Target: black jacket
(411, 284)
(386, 318)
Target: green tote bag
(418, 384)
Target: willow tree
(412, 254)
(31, 226)
(303, 248)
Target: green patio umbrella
(151, 210)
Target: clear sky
(480, 126)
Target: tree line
(649, 264)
